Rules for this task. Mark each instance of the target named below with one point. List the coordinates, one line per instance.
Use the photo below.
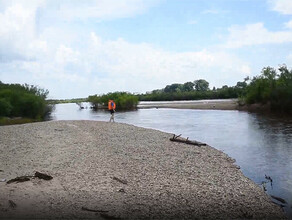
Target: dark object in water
(186, 141)
(264, 186)
(1, 170)
(119, 180)
(12, 204)
(42, 176)
(279, 199)
(92, 210)
(19, 179)
(268, 178)
(278, 204)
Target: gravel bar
(107, 170)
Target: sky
(79, 48)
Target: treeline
(23, 101)
(273, 88)
(199, 89)
(123, 100)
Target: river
(261, 145)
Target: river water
(261, 145)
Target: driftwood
(102, 213)
(279, 199)
(119, 180)
(12, 204)
(106, 216)
(19, 179)
(186, 141)
(92, 210)
(278, 204)
(27, 178)
(42, 176)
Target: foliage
(201, 85)
(23, 101)
(123, 100)
(272, 87)
(5, 107)
(199, 89)
(14, 121)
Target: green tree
(5, 107)
(272, 88)
(188, 87)
(176, 87)
(201, 85)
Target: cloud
(145, 63)
(18, 40)
(66, 55)
(103, 9)
(52, 57)
(288, 24)
(22, 38)
(282, 6)
(117, 65)
(214, 11)
(192, 22)
(255, 34)
(289, 59)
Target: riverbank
(122, 170)
(15, 121)
(216, 104)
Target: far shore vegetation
(272, 89)
(123, 100)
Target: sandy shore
(216, 104)
(159, 178)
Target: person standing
(112, 108)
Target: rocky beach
(106, 170)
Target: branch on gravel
(176, 138)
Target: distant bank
(216, 104)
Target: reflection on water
(261, 145)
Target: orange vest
(111, 105)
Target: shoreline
(159, 178)
(216, 104)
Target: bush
(5, 107)
(23, 101)
(273, 88)
(123, 100)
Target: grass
(15, 121)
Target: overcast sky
(76, 48)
